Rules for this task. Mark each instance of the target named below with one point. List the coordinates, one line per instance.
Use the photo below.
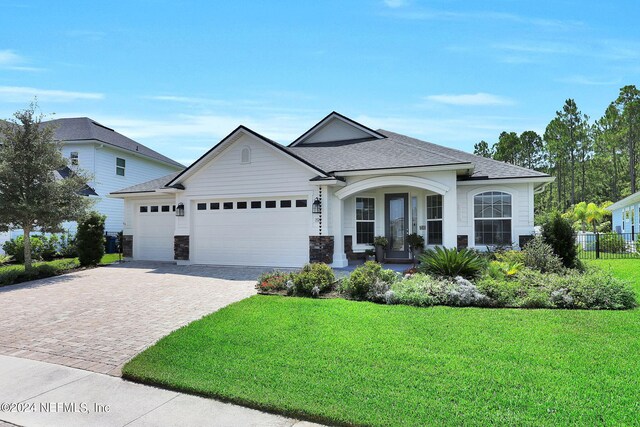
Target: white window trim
(361, 247)
(427, 220)
(472, 215)
(124, 168)
(242, 151)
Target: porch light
(180, 209)
(316, 208)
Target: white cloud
(395, 3)
(9, 60)
(588, 81)
(26, 94)
(475, 99)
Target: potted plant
(416, 245)
(380, 242)
(370, 255)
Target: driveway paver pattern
(98, 319)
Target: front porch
(393, 207)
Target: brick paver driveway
(98, 319)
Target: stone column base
(127, 246)
(181, 248)
(321, 249)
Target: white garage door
(155, 225)
(261, 232)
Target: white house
(252, 201)
(625, 216)
(113, 160)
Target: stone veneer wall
(321, 249)
(127, 246)
(181, 248)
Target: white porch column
(335, 219)
(450, 219)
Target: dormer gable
(336, 127)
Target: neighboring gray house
(625, 216)
(113, 160)
(252, 201)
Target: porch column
(335, 219)
(450, 219)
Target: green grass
(359, 363)
(14, 273)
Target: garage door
(155, 225)
(261, 232)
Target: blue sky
(177, 76)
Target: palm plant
(451, 262)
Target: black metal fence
(608, 245)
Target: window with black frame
(492, 218)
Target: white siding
(336, 130)
(522, 208)
(138, 169)
(269, 173)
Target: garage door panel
(153, 240)
(263, 237)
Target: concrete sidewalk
(34, 393)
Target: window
(492, 214)
(74, 158)
(302, 203)
(154, 209)
(285, 203)
(202, 206)
(214, 206)
(414, 215)
(166, 208)
(241, 205)
(245, 155)
(434, 220)
(227, 205)
(365, 220)
(256, 204)
(269, 204)
(144, 209)
(120, 165)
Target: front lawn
(349, 362)
(14, 273)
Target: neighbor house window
(73, 157)
(365, 220)
(492, 214)
(434, 220)
(120, 166)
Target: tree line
(592, 161)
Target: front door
(396, 222)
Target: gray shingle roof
(83, 128)
(149, 186)
(400, 151)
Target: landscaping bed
(357, 363)
(11, 274)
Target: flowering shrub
(273, 281)
(368, 282)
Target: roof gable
(226, 142)
(336, 127)
(627, 201)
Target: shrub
(90, 239)
(313, 275)
(49, 247)
(368, 282)
(559, 233)
(503, 269)
(5, 259)
(273, 281)
(597, 289)
(540, 256)
(16, 274)
(451, 262)
(510, 257)
(612, 243)
(423, 290)
(15, 248)
(67, 246)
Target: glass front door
(396, 224)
